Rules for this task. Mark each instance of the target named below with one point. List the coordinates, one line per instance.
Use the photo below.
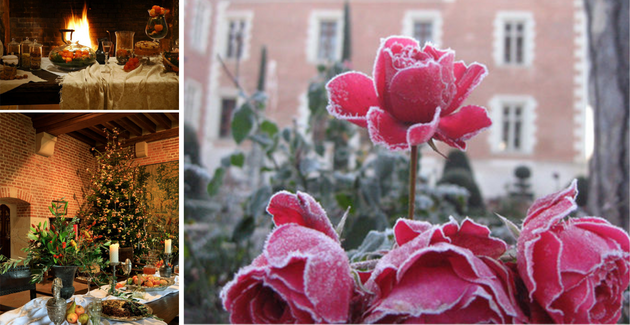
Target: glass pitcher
(124, 46)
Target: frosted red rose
(303, 275)
(442, 274)
(413, 96)
(576, 269)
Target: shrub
(462, 177)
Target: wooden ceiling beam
(144, 123)
(161, 135)
(92, 135)
(160, 119)
(80, 121)
(129, 126)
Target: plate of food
(125, 310)
(149, 283)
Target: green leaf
(258, 200)
(216, 182)
(242, 123)
(514, 230)
(342, 222)
(237, 159)
(244, 229)
(269, 127)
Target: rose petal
(416, 92)
(435, 52)
(386, 130)
(383, 68)
(406, 230)
(302, 209)
(551, 201)
(467, 79)
(477, 239)
(350, 97)
(456, 128)
(423, 132)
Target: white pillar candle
(167, 246)
(113, 253)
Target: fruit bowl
(171, 61)
(72, 57)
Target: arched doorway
(5, 230)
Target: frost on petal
(605, 229)
(551, 208)
(423, 132)
(350, 96)
(386, 130)
(435, 52)
(328, 284)
(383, 66)
(476, 238)
(415, 93)
(406, 230)
(302, 209)
(466, 80)
(456, 128)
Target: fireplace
(42, 19)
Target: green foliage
(462, 177)
(457, 159)
(522, 172)
(242, 123)
(216, 182)
(262, 69)
(116, 197)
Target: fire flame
(81, 28)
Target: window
(193, 91)
(423, 32)
(200, 25)
(236, 36)
(423, 25)
(227, 108)
(326, 48)
(514, 38)
(325, 36)
(513, 128)
(513, 42)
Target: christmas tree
(115, 196)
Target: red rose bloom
(578, 269)
(414, 96)
(443, 274)
(303, 274)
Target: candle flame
(81, 28)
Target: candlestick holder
(168, 271)
(112, 289)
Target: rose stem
(413, 167)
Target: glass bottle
(25, 54)
(36, 55)
(13, 48)
(100, 54)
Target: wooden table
(34, 93)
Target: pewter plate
(117, 303)
(169, 282)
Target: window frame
(314, 32)
(193, 100)
(247, 17)
(434, 17)
(528, 139)
(199, 37)
(528, 35)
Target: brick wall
(33, 181)
(161, 151)
(42, 19)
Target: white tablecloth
(34, 312)
(6, 85)
(109, 87)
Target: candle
(113, 253)
(167, 246)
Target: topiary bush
(457, 159)
(462, 177)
